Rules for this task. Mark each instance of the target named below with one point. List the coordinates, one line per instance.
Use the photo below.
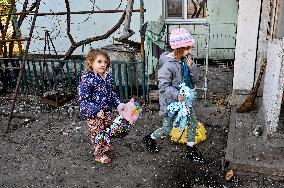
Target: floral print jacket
(95, 94)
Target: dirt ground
(51, 148)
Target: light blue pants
(192, 124)
(165, 129)
(168, 125)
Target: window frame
(184, 11)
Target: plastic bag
(181, 137)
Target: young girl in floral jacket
(96, 98)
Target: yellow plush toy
(181, 137)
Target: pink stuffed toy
(128, 114)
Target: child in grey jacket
(175, 68)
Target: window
(174, 8)
(185, 9)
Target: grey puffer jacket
(169, 78)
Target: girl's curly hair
(179, 51)
(92, 56)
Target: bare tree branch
(1, 26)
(64, 13)
(127, 32)
(68, 23)
(33, 6)
(89, 40)
(2, 31)
(22, 16)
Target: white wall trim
(246, 44)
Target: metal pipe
(64, 13)
(206, 63)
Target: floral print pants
(96, 125)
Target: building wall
(273, 84)
(222, 15)
(274, 75)
(280, 21)
(256, 40)
(84, 26)
(246, 45)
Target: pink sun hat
(181, 38)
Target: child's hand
(100, 114)
(189, 61)
(180, 98)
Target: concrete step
(248, 153)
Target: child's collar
(171, 55)
(103, 76)
(97, 74)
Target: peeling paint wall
(257, 38)
(273, 84)
(274, 75)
